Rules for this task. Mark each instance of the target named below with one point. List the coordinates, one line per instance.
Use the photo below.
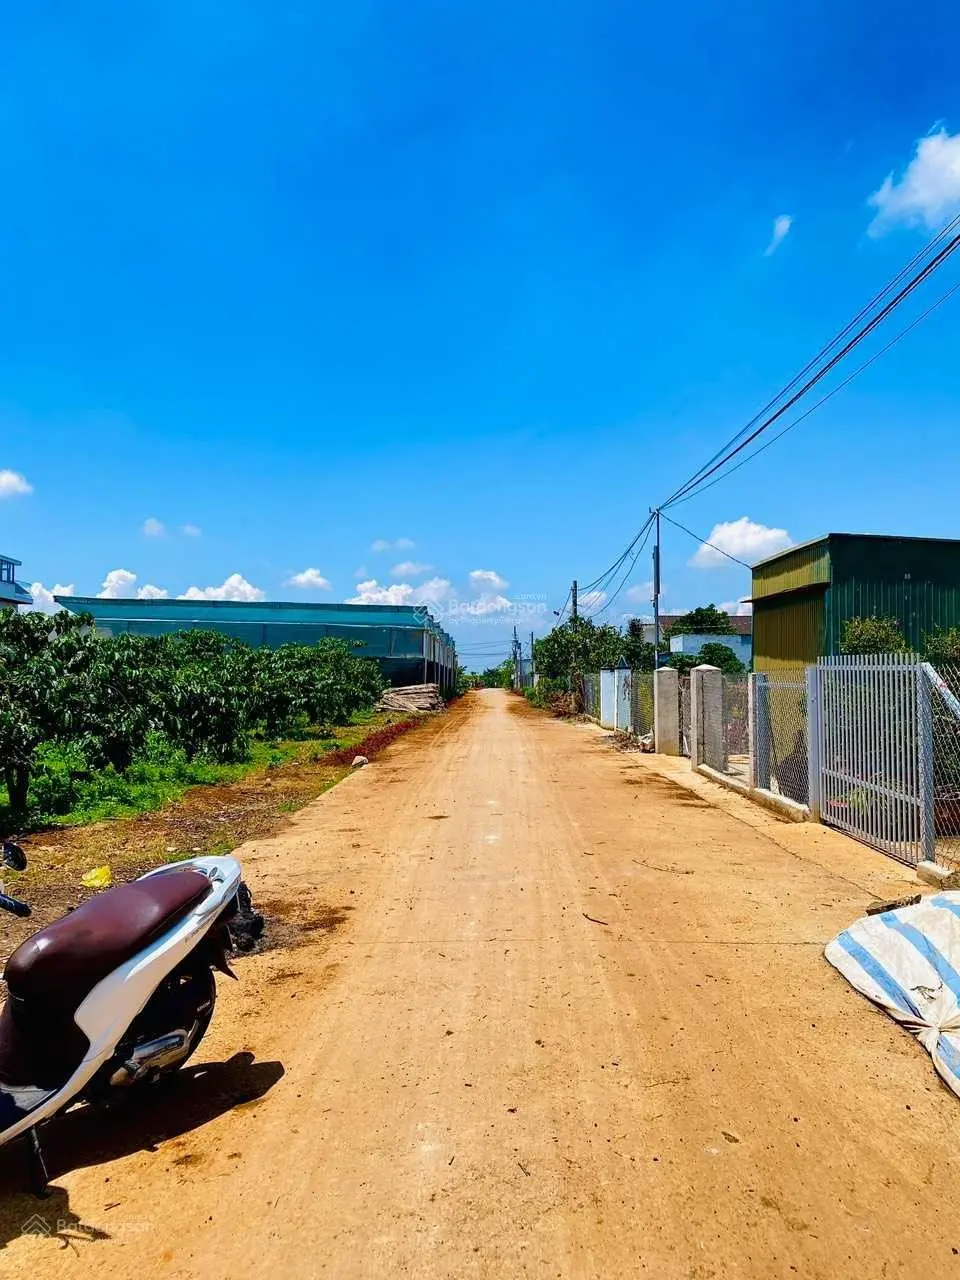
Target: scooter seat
(61, 964)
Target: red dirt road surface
(537, 1011)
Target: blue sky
(484, 280)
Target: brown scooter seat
(62, 963)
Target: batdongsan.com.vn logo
(498, 610)
(37, 1226)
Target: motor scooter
(113, 996)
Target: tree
(872, 635)
(500, 677)
(720, 655)
(41, 664)
(639, 653)
(576, 646)
(705, 620)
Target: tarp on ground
(908, 962)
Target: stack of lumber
(412, 697)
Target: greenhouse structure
(406, 641)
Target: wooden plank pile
(412, 697)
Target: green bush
(942, 647)
(872, 635)
(546, 691)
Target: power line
(858, 337)
(823, 399)
(751, 431)
(696, 537)
(623, 581)
(825, 350)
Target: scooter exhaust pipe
(162, 1052)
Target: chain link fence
(641, 703)
(591, 694)
(736, 726)
(685, 714)
(780, 734)
(620, 700)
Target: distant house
(740, 644)
(741, 625)
(11, 591)
(802, 597)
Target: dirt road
(541, 1012)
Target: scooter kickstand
(39, 1178)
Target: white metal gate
(875, 748)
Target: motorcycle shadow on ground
(89, 1136)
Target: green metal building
(802, 597)
(407, 642)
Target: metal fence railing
(945, 752)
(875, 751)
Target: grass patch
(66, 792)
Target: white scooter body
(108, 1010)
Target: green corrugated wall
(788, 631)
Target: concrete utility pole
(656, 591)
(573, 599)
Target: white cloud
(310, 579)
(489, 602)
(743, 538)
(642, 593)
(591, 599)
(149, 592)
(234, 588)
(117, 585)
(361, 572)
(43, 601)
(409, 569)
(13, 484)
(488, 579)
(781, 229)
(398, 544)
(434, 591)
(153, 528)
(927, 193)
(736, 608)
(191, 530)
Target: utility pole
(573, 599)
(656, 592)
(517, 667)
(532, 667)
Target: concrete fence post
(707, 738)
(666, 711)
